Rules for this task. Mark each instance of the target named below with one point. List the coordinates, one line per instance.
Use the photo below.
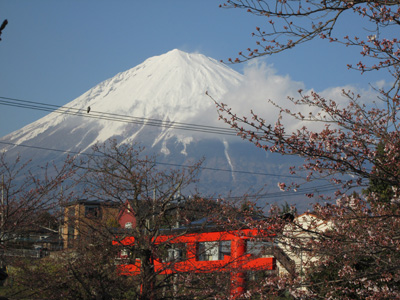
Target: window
(224, 249)
(124, 253)
(71, 212)
(208, 251)
(259, 248)
(213, 250)
(128, 225)
(70, 236)
(92, 211)
(173, 252)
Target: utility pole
(2, 208)
(60, 222)
(2, 218)
(178, 213)
(176, 252)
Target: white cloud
(262, 85)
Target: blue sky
(54, 51)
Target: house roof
(93, 202)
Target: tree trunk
(148, 276)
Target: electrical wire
(13, 102)
(157, 162)
(315, 189)
(309, 190)
(99, 115)
(114, 117)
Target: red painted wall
(126, 215)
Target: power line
(315, 189)
(309, 190)
(121, 118)
(43, 148)
(13, 102)
(160, 163)
(114, 117)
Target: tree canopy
(357, 146)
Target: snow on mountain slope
(170, 87)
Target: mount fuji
(162, 104)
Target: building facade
(82, 217)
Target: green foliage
(87, 272)
(379, 183)
(324, 275)
(286, 209)
(112, 223)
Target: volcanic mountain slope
(155, 104)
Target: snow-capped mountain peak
(168, 87)
(130, 106)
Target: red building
(208, 252)
(126, 216)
